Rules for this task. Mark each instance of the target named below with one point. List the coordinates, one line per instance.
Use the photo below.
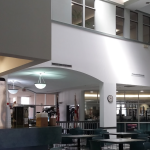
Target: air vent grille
(62, 65)
(129, 86)
(138, 75)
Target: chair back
(99, 131)
(143, 138)
(76, 131)
(143, 135)
(139, 131)
(146, 145)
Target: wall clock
(110, 98)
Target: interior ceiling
(138, 5)
(57, 80)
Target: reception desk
(29, 138)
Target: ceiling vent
(61, 65)
(138, 75)
(129, 86)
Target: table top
(120, 141)
(121, 133)
(78, 136)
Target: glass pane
(77, 12)
(144, 106)
(146, 20)
(89, 3)
(119, 26)
(119, 11)
(133, 16)
(78, 1)
(91, 105)
(133, 30)
(89, 18)
(146, 34)
(120, 97)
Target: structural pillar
(108, 109)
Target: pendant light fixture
(13, 90)
(40, 85)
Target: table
(78, 137)
(119, 141)
(122, 134)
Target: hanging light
(13, 91)
(40, 85)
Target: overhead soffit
(9, 63)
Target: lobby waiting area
(74, 75)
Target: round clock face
(110, 98)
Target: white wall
(105, 17)
(61, 11)
(105, 58)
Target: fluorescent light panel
(130, 96)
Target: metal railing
(66, 125)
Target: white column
(107, 109)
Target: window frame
(134, 22)
(148, 25)
(83, 12)
(122, 17)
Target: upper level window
(89, 3)
(89, 14)
(119, 21)
(146, 29)
(77, 12)
(133, 25)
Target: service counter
(35, 138)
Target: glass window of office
(89, 14)
(119, 21)
(133, 106)
(127, 104)
(146, 29)
(133, 25)
(91, 99)
(77, 14)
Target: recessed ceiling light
(147, 2)
(91, 91)
(141, 91)
(116, 91)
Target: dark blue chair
(76, 131)
(146, 145)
